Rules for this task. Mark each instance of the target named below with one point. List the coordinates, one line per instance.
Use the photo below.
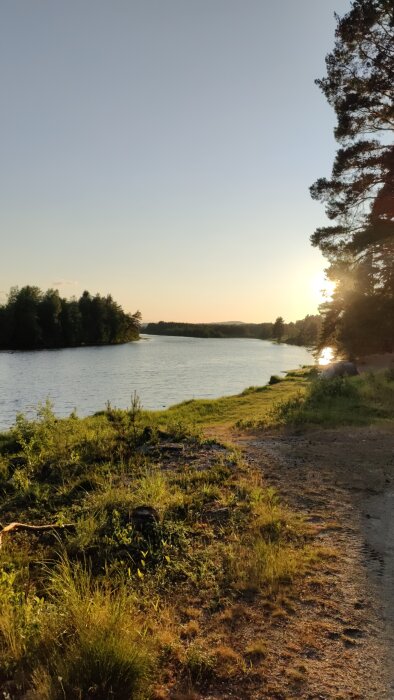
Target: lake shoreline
(163, 370)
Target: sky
(162, 151)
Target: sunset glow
(326, 357)
(323, 288)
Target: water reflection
(163, 370)
(326, 356)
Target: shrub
(389, 374)
(274, 379)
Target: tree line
(359, 195)
(303, 332)
(32, 319)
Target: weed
(267, 564)
(198, 663)
(227, 661)
(256, 650)
(20, 613)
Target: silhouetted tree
(32, 320)
(49, 316)
(278, 329)
(71, 320)
(359, 196)
(23, 306)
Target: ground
(340, 635)
(263, 572)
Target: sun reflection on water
(326, 356)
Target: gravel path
(342, 481)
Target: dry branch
(36, 529)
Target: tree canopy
(32, 319)
(359, 196)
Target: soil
(339, 641)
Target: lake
(163, 370)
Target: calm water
(163, 370)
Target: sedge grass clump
(267, 565)
(326, 401)
(99, 646)
(256, 650)
(156, 489)
(267, 549)
(198, 663)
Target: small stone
(144, 517)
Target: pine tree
(359, 196)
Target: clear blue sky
(162, 150)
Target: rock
(144, 518)
(171, 447)
(339, 369)
(217, 516)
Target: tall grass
(340, 401)
(268, 564)
(91, 640)
(104, 650)
(86, 614)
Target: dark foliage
(302, 332)
(278, 328)
(32, 319)
(211, 330)
(359, 196)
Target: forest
(303, 332)
(32, 319)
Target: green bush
(274, 379)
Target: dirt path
(339, 643)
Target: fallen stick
(14, 527)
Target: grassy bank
(164, 540)
(300, 398)
(360, 400)
(253, 404)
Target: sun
(322, 287)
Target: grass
(121, 607)
(105, 610)
(253, 404)
(94, 639)
(359, 400)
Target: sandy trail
(342, 481)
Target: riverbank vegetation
(301, 398)
(32, 319)
(304, 332)
(160, 538)
(160, 542)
